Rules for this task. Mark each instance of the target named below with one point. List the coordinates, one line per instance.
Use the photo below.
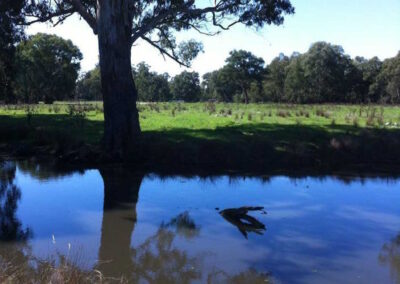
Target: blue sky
(363, 27)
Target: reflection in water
(319, 230)
(10, 227)
(390, 255)
(45, 171)
(245, 223)
(12, 236)
(249, 276)
(156, 260)
(184, 225)
(121, 191)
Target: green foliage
(219, 86)
(151, 87)
(324, 69)
(244, 68)
(10, 35)
(47, 69)
(186, 87)
(323, 74)
(388, 80)
(369, 70)
(295, 86)
(89, 86)
(274, 81)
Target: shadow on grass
(255, 147)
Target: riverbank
(214, 137)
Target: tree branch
(215, 23)
(187, 14)
(81, 9)
(164, 52)
(48, 17)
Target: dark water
(172, 230)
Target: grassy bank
(216, 136)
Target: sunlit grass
(84, 120)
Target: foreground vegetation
(209, 136)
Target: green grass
(202, 116)
(223, 135)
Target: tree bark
(246, 95)
(121, 118)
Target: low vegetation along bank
(214, 137)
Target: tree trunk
(121, 119)
(246, 95)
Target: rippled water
(178, 229)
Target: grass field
(231, 134)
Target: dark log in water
(245, 223)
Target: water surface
(178, 230)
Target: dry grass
(29, 270)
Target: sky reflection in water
(317, 230)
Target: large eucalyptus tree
(121, 23)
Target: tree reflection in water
(12, 236)
(390, 255)
(157, 259)
(183, 225)
(10, 226)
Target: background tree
(244, 68)
(151, 87)
(369, 69)
(120, 23)
(186, 87)
(274, 80)
(10, 35)
(388, 81)
(219, 85)
(48, 67)
(296, 83)
(324, 68)
(88, 86)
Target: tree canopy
(150, 85)
(325, 73)
(244, 68)
(48, 67)
(186, 86)
(10, 34)
(156, 22)
(88, 86)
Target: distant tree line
(46, 68)
(324, 74)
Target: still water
(148, 228)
